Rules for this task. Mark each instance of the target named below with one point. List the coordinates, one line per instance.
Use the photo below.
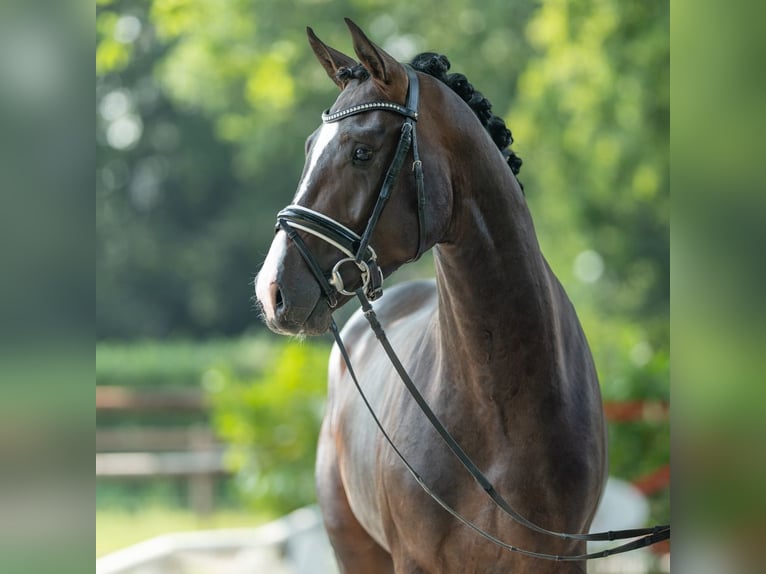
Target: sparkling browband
(327, 117)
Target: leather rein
(359, 253)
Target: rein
(358, 251)
(648, 536)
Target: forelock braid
(357, 72)
(437, 65)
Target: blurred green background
(202, 110)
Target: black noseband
(294, 217)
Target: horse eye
(362, 154)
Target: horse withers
(493, 343)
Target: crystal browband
(327, 117)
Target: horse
(493, 343)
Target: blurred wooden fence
(189, 452)
(192, 452)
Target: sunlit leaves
(594, 104)
(111, 54)
(174, 18)
(272, 424)
(270, 86)
(193, 77)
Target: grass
(116, 529)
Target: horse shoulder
(349, 438)
(409, 300)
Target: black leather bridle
(357, 248)
(359, 252)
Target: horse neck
(497, 295)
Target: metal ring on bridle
(336, 280)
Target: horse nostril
(272, 301)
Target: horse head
(336, 236)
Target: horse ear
(382, 66)
(330, 58)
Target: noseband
(357, 248)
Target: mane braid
(357, 72)
(437, 65)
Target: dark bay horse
(493, 344)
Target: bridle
(358, 251)
(357, 248)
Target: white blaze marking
(268, 273)
(326, 134)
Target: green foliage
(594, 103)
(179, 363)
(267, 396)
(271, 423)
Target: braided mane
(437, 65)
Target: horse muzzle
(291, 302)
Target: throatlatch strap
(385, 192)
(402, 148)
(417, 167)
